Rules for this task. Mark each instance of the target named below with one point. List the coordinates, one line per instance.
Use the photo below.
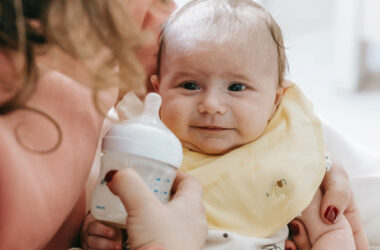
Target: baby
(249, 136)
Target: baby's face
(217, 97)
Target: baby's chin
(210, 150)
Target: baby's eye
(237, 87)
(190, 86)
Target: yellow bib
(259, 187)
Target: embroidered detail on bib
(271, 247)
(279, 187)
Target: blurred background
(333, 49)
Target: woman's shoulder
(58, 109)
(46, 154)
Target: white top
(218, 240)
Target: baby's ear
(286, 84)
(282, 89)
(155, 83)
(279, 93)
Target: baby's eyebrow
(192, 71)
(180, 76)
(234, 75)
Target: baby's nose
(211, 105)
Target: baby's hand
(96, 235)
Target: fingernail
(109, 175)
(294, 229)
(331, 214)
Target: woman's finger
(352, 214)
(299, 235)
(186, 185)
(131, 189)
(338, 199)
(336, 191)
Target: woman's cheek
(155, 16)
(158, 12)
(138, 9)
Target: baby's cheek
(168, 114)
(171, 118)
(175, 110)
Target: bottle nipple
(151, 111)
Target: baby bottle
(145, 144)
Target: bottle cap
(145, 135)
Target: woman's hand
(178, 224)
(338, 200)
(338, 196)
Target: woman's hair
(83, 29)
(218, 21)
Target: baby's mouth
(211, 128)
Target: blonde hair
(218, 21)
(84, 30)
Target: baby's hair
(218, 21)
(84, 30)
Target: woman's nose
(211, 105)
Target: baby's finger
(299, 235)
(336, 195)
(94, 242)
(96, 228)
(289, 245)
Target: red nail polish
(331, 214)
(294, 229)
(109, 175)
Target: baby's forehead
(219, 25)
